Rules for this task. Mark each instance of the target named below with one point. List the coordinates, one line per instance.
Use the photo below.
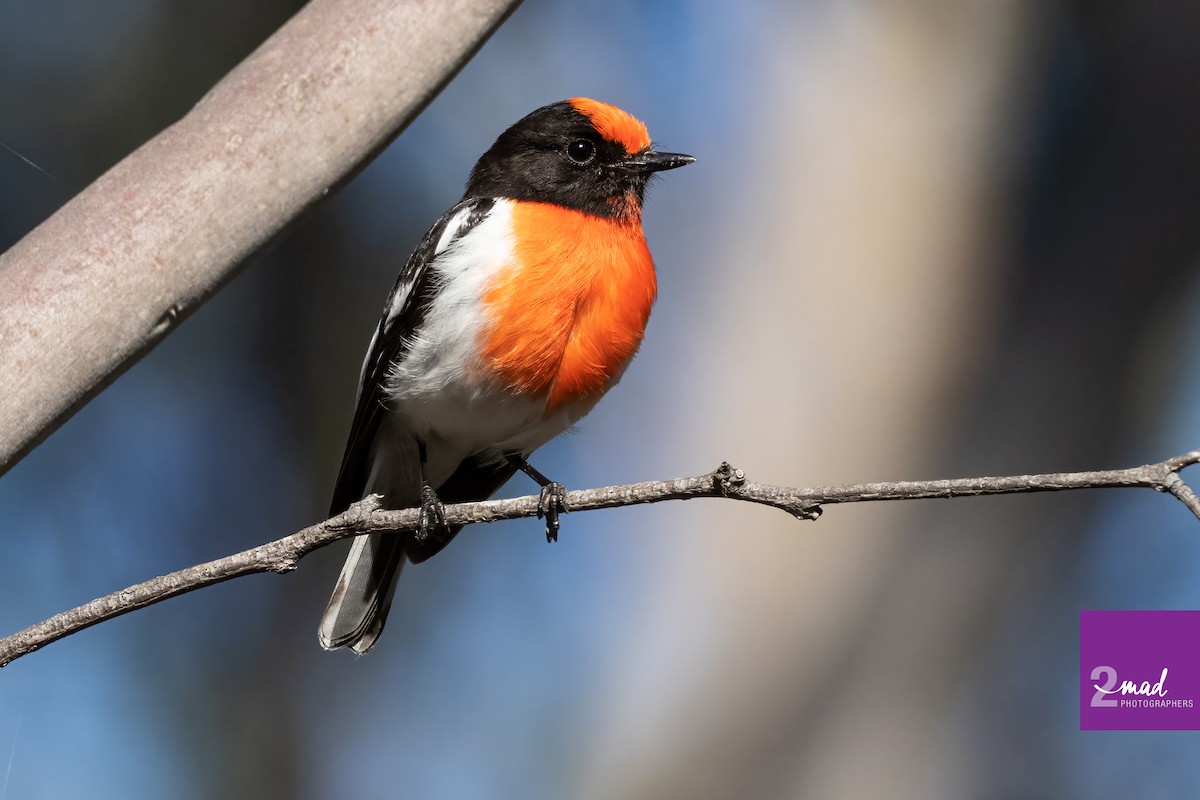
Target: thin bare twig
(366, 516)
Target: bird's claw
(552, 501)
(433, 517)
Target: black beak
(649, 161)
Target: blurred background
(924, 238)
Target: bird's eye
(581, 151)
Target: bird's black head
(579, 153)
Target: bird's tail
(359, 605)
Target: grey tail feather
(359, 605)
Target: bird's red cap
(614, 124)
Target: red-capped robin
(518, 310)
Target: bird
(517, 311)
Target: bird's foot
(433, 517)
(551, 502)
(553, 499)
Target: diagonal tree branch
(102, 281)
(366, 516)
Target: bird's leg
(553, 499)
(433, 512)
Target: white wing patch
(453, 226)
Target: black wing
(392, 338)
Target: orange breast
(571, 310)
